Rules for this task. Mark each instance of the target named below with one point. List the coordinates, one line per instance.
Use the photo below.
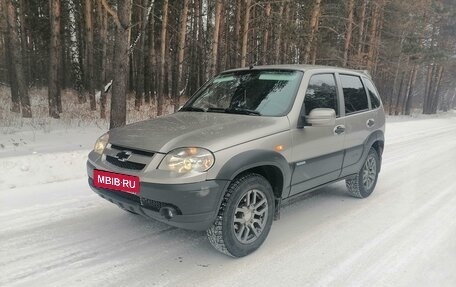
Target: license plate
(116, 181)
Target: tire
(245, 216)
(363, 184)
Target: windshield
(251, 92)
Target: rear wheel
(245, 216)
(363, 184)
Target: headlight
(184, 160)
(101, 143)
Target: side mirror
(321, 117)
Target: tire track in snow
(344, 267)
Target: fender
(256, 158)
(378, 135)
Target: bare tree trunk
(410, 90)
(378, 40)
(170, 67)
(16, 58)
(313, 57)
(223, 39)
(373, 34)
(180, 56)
(15, 98)
(24, 48)
(452, 104)
(396, 76)
(62, 68)
(245, 32)
(361, 36)
(77, 25)
(202, 49)
(140, 52)
(89, 68)
(215, 37)
(54, 60)
(163, 34)
(397, 109)
(285, 38)
(444, 105)
(121, 64)
(278, 36)
(428, 88)
(151, 59)
(407, 90)
(103, 19)
(237, 32)
(267, 26)
(434, 101)
(313, 30)
(348, 34)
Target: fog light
(167, 212)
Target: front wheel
(363, 184)
(245, 216)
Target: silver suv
(247, 141)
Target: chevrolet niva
(246, 142)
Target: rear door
(318, 151)
(359, 121)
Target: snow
(54, 231)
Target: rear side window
(321, 93)
(354, 94)
(374, 98)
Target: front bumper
(196, 204)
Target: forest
(159, 52)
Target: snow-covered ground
(54, 231)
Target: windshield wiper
(192, 109)
(216, 110)
(234, 111)
(243, 111)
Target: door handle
(370, 123)
(339, 129)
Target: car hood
(213, 131)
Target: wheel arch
(377, 141)
(270, 164)
(273, 175)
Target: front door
(318, 152)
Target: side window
(321, 93)
(354, 94)
(375, 99)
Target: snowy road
(61, 234)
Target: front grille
(137, 159)
(157, 205)
(135, 151)
(125, 164)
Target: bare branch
(112, 13)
